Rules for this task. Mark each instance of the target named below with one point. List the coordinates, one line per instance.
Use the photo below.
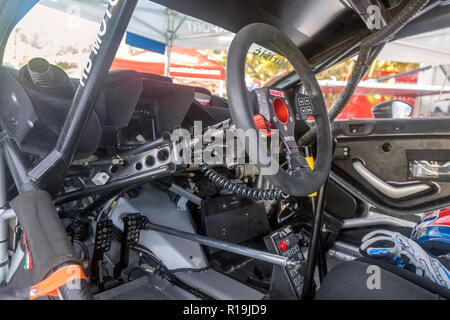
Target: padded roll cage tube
(46, 241)
(316, 235)
(53, 285)
(381, 36)
(46, 238)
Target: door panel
(400, 153)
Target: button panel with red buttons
(285, 243)
(274, 111)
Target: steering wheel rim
(305, 181)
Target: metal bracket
(387, 189)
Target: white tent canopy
(166, 26)
(155, 22)
(429, 48)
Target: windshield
(158, 40)
(193, 52)
(415, 70)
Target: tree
(257, 67)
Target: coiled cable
(242, 190)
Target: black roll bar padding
(316, 233)
(53, 167)
(47, 239)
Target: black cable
(154, 261)
(102, 200)
(150, 258)
(241, 190)
(83, 247)
(145, 250)
(189, 270)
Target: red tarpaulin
(185, 63)
(360, 106)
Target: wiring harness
(242, 190)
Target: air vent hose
(41, 73)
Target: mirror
(392, 109)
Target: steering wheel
(275, 107)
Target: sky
(51, 30)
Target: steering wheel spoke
(296, 160)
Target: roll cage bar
(50, 171)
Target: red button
(283, 245)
